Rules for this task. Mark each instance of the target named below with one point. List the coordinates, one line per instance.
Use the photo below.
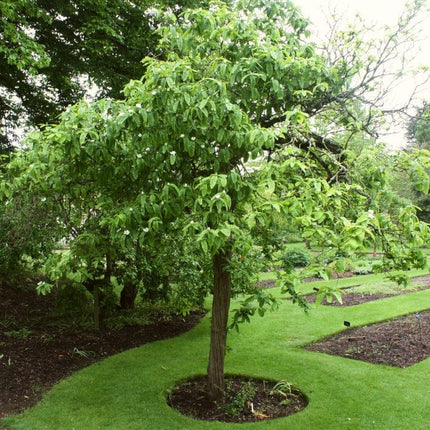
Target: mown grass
(128, 391)
(372, 280)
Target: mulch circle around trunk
(245, 400)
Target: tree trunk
(98, 292)
(128, 296)
(220, 309)
(96, 307)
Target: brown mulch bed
(37, 356)
(400, 342)
(270, 283)
(349, 298)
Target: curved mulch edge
(401, 341)
(350, 298)
(246, 399)
(33, 365)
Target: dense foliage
(172, 160)
(418, 131)
(295, 258)
(418, 134)
(51, 51)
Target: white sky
(378, 13)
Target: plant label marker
(356, 338)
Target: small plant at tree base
(239, 399)
(284, 389)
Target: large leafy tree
(51, 51)
(418, 131)
(235, 85)
(418, 135)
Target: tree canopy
(52, 51)
(418, 135)
(236, 84)
(418, 132)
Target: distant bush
(295, 258)
(362, 268)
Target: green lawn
(128, 391)
(372, 280)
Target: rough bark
(96, 298)
(128, 296)
(99, 287)
(220, 309)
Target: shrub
(27, 229)
(73, 300)
(239, 399)
(295, 258)
(362, 268)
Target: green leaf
(250, 220)
(204, 246)
(225, 231)
(213, 181)
(44, 288)
(189, 147)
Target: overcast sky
(378, 13)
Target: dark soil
(351, 299)
(401, 342)
(245, 400)
(270, 283)
(37, 352)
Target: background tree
(418, 132)
(235, 85)
(418, 135)
(51, 52)
(373, 68)
(20, 238)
